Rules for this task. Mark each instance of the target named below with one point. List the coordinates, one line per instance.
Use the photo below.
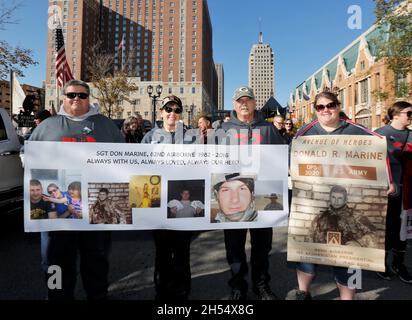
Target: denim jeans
(341, 274)
(44, 245)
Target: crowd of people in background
(172, 274)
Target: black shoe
(402, 272)
(265, 293)
(387, 275)
(238, 295)
(303, 295)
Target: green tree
(113, 86)
(394, 43)
(12, 59)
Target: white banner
(18, 96)
(102, 186)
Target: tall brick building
(166, 41)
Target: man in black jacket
(248, 126)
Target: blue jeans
(341, 274)
(44, 244)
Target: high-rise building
(165, 41)
(262, 71)
(220, 86)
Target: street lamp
(154, 97)
(190, 110)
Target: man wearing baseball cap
(248, 126)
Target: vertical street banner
(339, 201)
(104, 186)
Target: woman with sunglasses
(399, 141)
(289, 131)
(329, 122)
(172, 275)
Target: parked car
(11, 169)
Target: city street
(132, 269)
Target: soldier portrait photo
(341, 225)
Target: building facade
(193, 97)
(365, 87)
(220, 86)
(5, 101)
(155, 41)
(262, 72)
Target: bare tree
(7, 10)
(113, 86)
(12, 59)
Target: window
(364, 91)
(401, 86)
(362, 65)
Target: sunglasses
(288, 124)
(51, 191)
(81, 95)
(175, 110)
(329, 106)
(408, 113)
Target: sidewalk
(210, 271)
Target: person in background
(41, 116)
(132, 129)
(204, 124)
(279, 123)
(289, 131)
(399, 141)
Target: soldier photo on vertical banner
(339, 201)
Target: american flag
(63, 72)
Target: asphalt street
(131, 273)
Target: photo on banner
(269, 195)
(109, 203)
(186, 199)
(339, 201)
(55, 194)
(145, 192)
